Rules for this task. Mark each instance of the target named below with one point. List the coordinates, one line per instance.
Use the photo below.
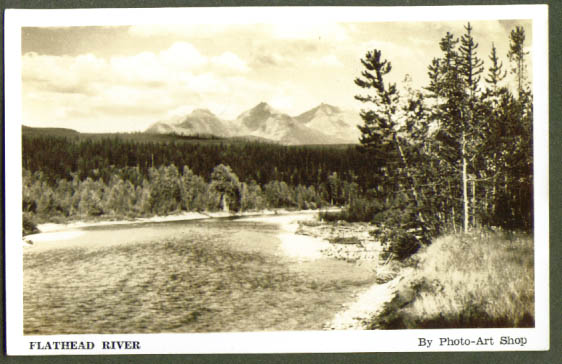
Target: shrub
(398, 243)
(360, 209)
(29, 226)
(403, 228)
(345, 240)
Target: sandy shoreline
(54, 227)
(300, 247)
(286, 219)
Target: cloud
(287, 53)
(85, 89)
(310, 31)
(330, 61)
(88, 73)
(144, 67)
(137, 77)
(180, 111)
(177, 30)
(62, 74)
(271, 59)
(182, 54)
(204, 83)
(230, 62)
(131, 92)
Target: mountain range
(324, 124)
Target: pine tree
(402, 205)
(496, 101)
(516, 55)
(378, 133)
(448, 116)
(495, 73)
(471, 69)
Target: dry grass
(189, 285)
(474, 280)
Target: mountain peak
(262, 115)
(263, 107)
(320, 110)
(202, 112)
(198, 122)
(327, 109)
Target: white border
(273, 342)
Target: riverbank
(54, 227)
(475, 280)
(352, 243)
(63, 231)
(293, 244)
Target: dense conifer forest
(75, 175)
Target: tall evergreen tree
(451, 122)
(496, 100)
(378, 133)
(471, 69)
(496, 74)
(384, 137)
(516, 55)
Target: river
(210, 275)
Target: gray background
(555, 143)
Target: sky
(124, 78)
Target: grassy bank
(466, 281)
(199, 284)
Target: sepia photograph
(310, 179)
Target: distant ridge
(49, 131)
(324, 124)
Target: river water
(113, 275)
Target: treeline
(456, 154)
(75, 176)
(167, 190)
(101, 158)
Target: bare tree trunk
(403, 157)
(474, 202)
(486, 202)
(454, 224)
(224, 202)
(451, 196)
(464, 183)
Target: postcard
(277, 180)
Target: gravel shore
(351, 242)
